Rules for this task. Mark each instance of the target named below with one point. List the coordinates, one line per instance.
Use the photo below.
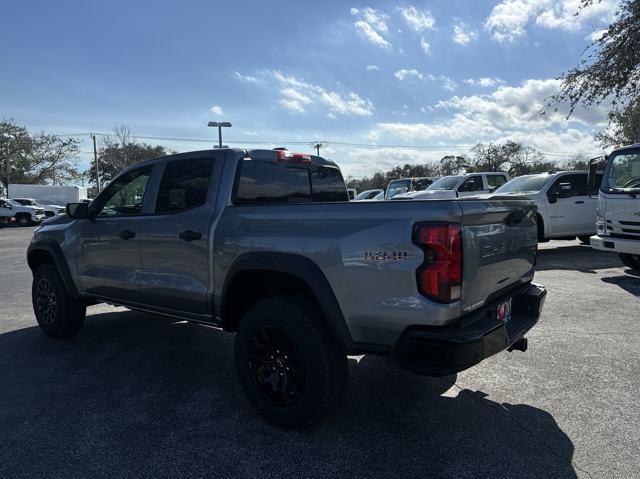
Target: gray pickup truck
(266, 243)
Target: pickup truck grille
(39, 212)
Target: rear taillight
(440, 276)
(284, 155)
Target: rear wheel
(585, 239)
(630, 260)
(289, 367)
(57, 313)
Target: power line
(314, 144)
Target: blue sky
(442, 75)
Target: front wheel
(585, 239)
(630, 260)
(57, 313)
(23, 220)
(289, 367)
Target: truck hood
(500, 246)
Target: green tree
(609, 71)
(37, 158)
(623, 128)
(118, 151)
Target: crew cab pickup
(266, 243)
(458, 186)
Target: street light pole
(219, 125)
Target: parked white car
(405, 185)
(368, 194)
(49, 210)
(565, 209)
(24, 215)
(456, 186)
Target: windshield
(524, 184)
(397, 187)
(26, 202)
(446, 183)
(365, 195)
(624, 171)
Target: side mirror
(78, 211)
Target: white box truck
(618, 213)
(49, 194)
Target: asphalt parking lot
(135, 395)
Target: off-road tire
(630, 260)
(313, 355)
(57, 313)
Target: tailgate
(500, 243)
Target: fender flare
(308, 272)
(53, 249)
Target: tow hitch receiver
(520, 345)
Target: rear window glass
(327, 185)
(270, 182)
(184, 185)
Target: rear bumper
(617, 245)
(438, 351)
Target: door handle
(579, 202)
(126, 234)
(189, 235)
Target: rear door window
(328, 185)
(473, 183)
(184, 185)
(271, 182)
(496, 181)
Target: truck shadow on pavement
(135, 395)
(576, 258)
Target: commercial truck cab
(618, 212)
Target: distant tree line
(510, 157)
(41, 158)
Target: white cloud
(367, 32)
(463, 35)
(597, 35)
(371, 25)
(403, 73)
(484, 82)
(425, 46)
(372, 68)
(298, 95)
(418, 20)
(508, 19)
(448, 83)
(247, 78)
(217, 110)
(508, 112)
(373, 17)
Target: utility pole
(318, 145)
(95, 160)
